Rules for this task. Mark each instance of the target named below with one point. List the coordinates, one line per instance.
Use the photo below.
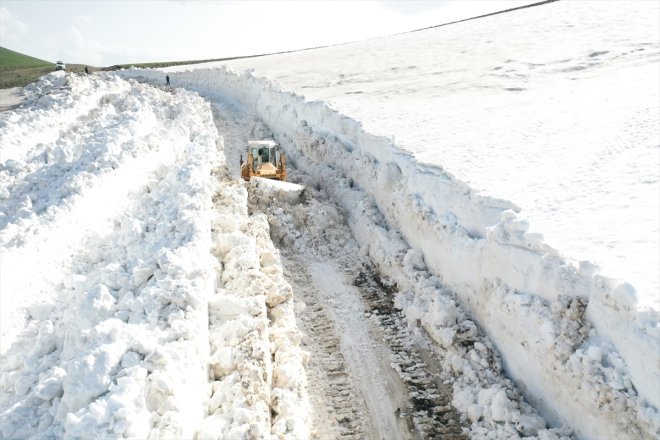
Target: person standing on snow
(167, 80)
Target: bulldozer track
(327, 372)
(430, 400)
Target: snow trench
(573, 340)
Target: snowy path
(337, 405)
(353, 385)
(356, 373)
(11, 98)
(368, 358)
(359, 367)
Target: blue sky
(106, 32)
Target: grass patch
(16, 76)
(9, 58)
(18, 70)
(21, 76)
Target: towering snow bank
(573, 341)
(105, 238)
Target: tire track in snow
(398, 393)
(333, 396)
(430, 405)
(367, 356)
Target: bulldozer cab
(262, 155)
(263, 159)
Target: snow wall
(573, 340)
(108, 250)
(138, 297)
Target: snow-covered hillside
(522, 291)
(554, 108)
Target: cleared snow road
(354, 386)
(368, 358)
(384, 389)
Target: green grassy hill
(18, 70)
(9, 58)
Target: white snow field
(390, 289)
(553, 107)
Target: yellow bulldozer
(264, 159)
